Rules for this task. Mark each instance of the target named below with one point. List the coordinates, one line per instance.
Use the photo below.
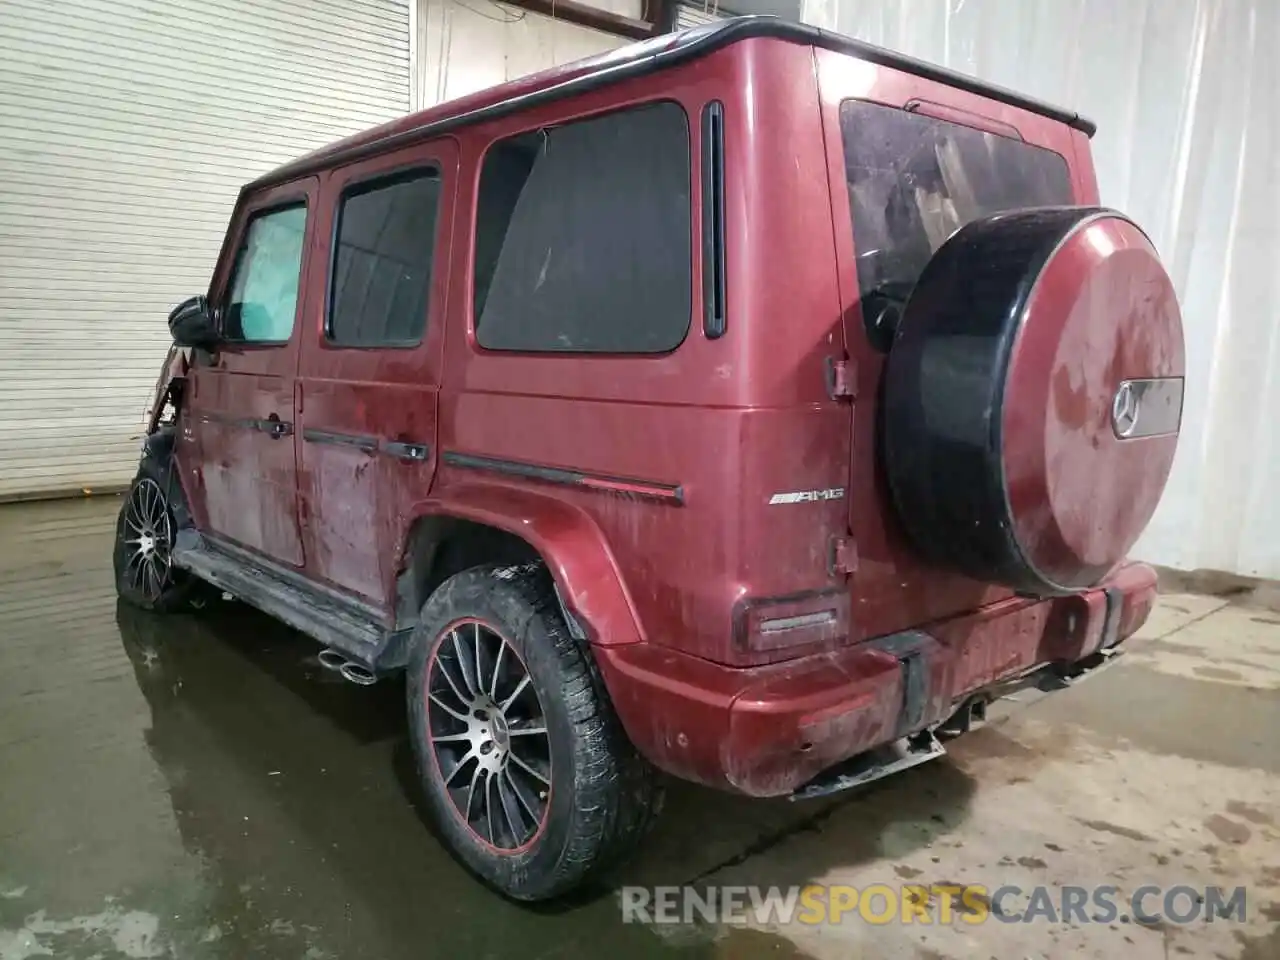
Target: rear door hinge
(842, 556)
(841, 381)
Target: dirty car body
(804, 390)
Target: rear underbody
(808, 726)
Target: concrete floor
(201, 788)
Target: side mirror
(192, 324)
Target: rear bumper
(765, 731)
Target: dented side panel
(367, 415)
(236, 430)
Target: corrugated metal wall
(126, 129)
(698, 14)
(1189, 144)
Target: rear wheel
(145, 532)
(525, 768)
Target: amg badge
(807, 496)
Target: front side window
(264, 285)
(584, 236)
(381, 272)
(914, 180)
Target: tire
(145, 533)
(572, 802)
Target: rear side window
(914, 180)
(583, 236)
(381, 273)
(264, 285)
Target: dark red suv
(750, 404)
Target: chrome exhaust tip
(353, 672)
(332, 660)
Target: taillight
(769, 625)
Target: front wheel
(143, 555)
(525, 768)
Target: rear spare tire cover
(1033, 396)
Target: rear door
(910, 162)
(237, 446)
(370, 370)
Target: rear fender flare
(572, 545)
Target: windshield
(914, 180)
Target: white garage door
(699, 14)
(126, 129)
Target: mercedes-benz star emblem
(1124, 410)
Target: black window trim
(251, 213)
(714, 281)
(398, 172)
(473, 338)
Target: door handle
(276, 427)
(414, 452)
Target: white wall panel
(467, 46)
(1188, 143)
(126, 130)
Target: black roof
(642, 58)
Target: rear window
(584, 236)
(914, 180)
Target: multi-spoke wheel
(524, 766)
(489, 735)
(145, 575)
(148, 540)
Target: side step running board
(881, 762)
(336, 621)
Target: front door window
(264, 287)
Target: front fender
(568, 540)
(174, 369)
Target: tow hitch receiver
(882, 762)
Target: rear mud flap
(883, 761)
(915, 743)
